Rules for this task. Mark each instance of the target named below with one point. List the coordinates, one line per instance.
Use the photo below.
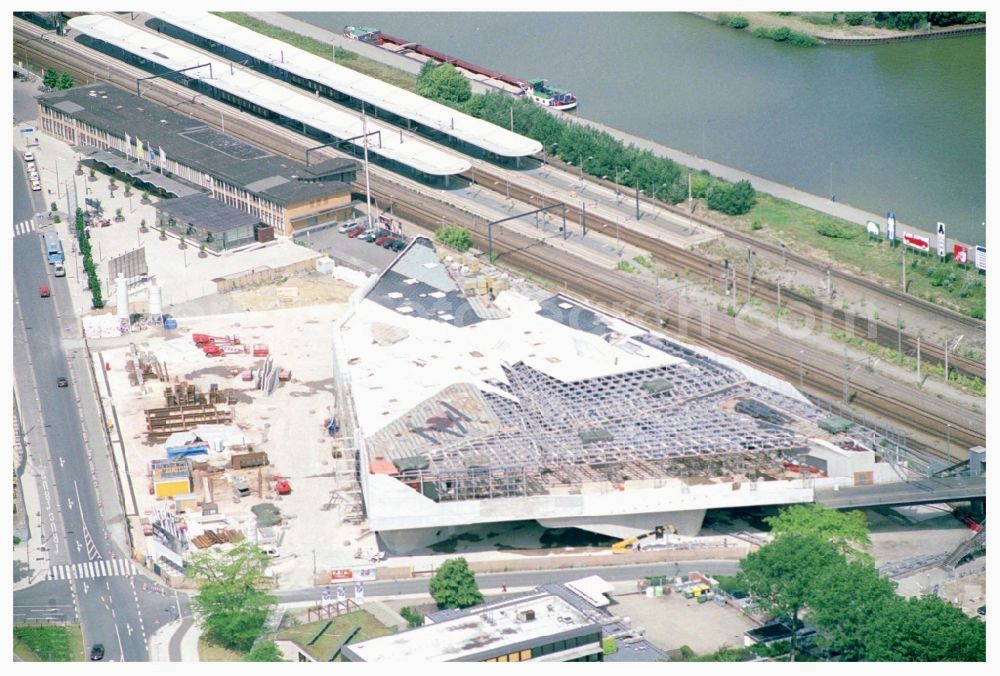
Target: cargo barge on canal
(535, 90)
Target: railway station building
(171, 155)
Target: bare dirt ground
(294, 292)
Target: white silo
(155, 303)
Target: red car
(357, 231)
(43, 291)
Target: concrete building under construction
(467, 397)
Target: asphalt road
(72, 534)
(532, 578)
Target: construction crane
(623, 546)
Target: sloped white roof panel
(388, 97)
(282, 99)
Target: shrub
(454, 236)
(837, 230)
(732, 199)
(756, 225)
(413, 618)
(739, 22)
(855, 18)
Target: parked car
(36, 186)
(982, 610)
(28, 157)
(380, 241)
(43, 291)
(97, 652)
(62, 382)
(31, 168)
(394, 245)
(375, 234)
(347, 227)
(356, 231)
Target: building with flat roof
(523, 404)
(171, 154)
(556, 622)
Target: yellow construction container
(168, 488)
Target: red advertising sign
(961, 254)
(344, 574)
(917, 242)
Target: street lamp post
(899, 332)
(583, 162)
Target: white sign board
(940, 239)
(890, 226)
(981, 257)
(873, 229)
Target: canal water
(898, 127)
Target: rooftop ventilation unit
(526, 615)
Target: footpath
(402, 62)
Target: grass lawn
(343, 57)
(49, 643)
(947, 284)
(342, 625)
(208, 652)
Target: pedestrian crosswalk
(24, 227)
(92, 569)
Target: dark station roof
(197, 145)
(206, 213)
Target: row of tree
(57, 79)
(595, 152)
(817, 569)
(911, 20)
(89, 267)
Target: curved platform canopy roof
(278, 98)
(372, 91)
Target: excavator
(634, 542)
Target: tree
(925, 629)
(64, 81)
(848, 531)
(781, 575)
(454, 585)
(231, 603)
(265, 651)
(443, 83)
(843, 604)
(50, 77)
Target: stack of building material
(216, 537)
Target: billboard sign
(873, 229)
(961, 253)
(342, 574)
(981, 257)
(890, 226)
(917, 242)
(940, 239)
(363, 573)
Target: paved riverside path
(821, 204)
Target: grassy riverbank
(814, 24)
(798, 227)
(948, 284)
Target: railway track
(615, 289)
(812, 310)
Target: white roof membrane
(281, 99)
(479, 133)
